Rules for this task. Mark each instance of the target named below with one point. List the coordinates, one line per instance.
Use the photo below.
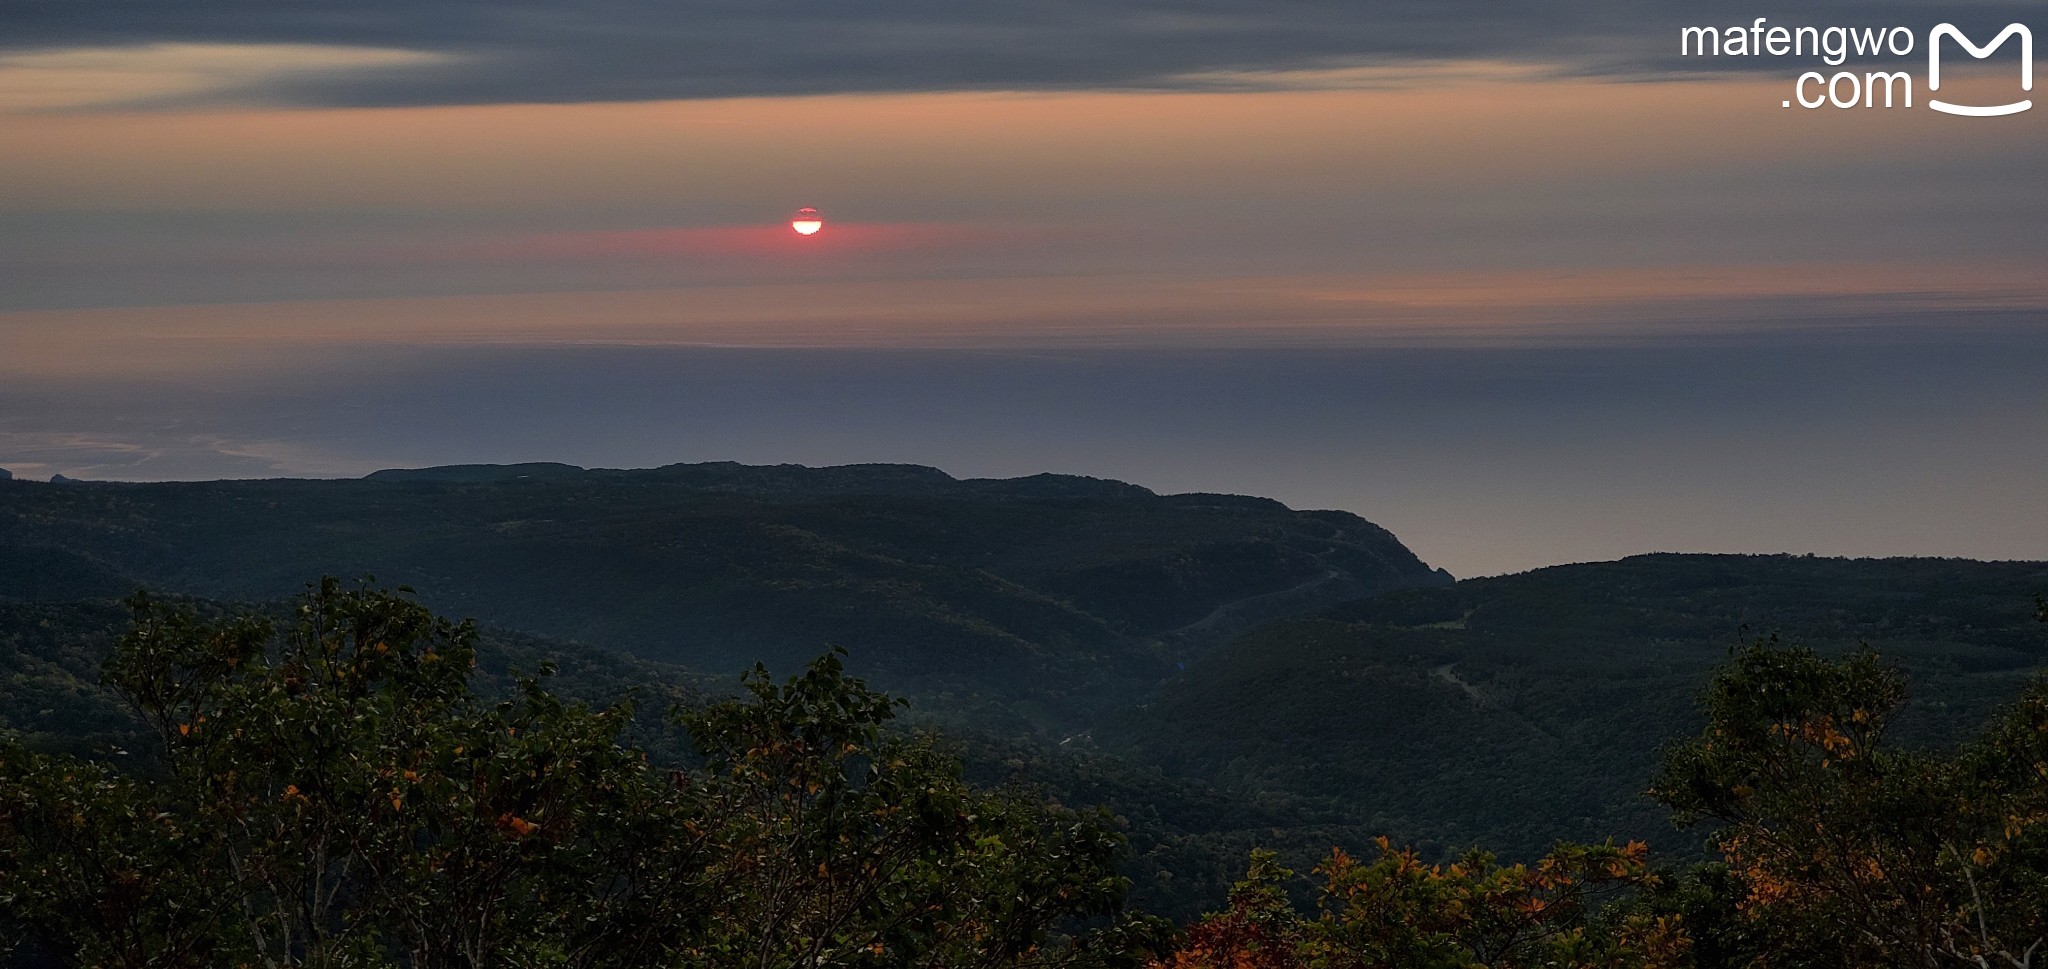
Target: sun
(807, 221)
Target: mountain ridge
(1052, 596)
(1515, 710)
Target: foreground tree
(333, 794)
(840, 844)
(1398, 912)
(1258, 930)
(1845, 851)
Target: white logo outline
(1974, 111)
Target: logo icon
(1978, 111)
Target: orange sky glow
(1522, 312)
(1296, 211)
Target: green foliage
(1840, 848)
(1505, 711)
(1398, 910)
(331, 793)
(844, 844)
(1259, 929)
(92, 867)
(50, 694)
(1517, 711)
(1187, 839)
(53, 696)
(1474, 913)
(1845, 850)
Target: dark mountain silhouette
(1517, 710)
(1334, 688)
(1051, 596)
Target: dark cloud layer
(564, 51)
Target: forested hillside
(1518, 710)
(1187, 841)
(1219, 672)
(323, 783)
(1050, 598)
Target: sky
(1517, 281)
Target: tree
(1258, 930)
(840, 843)
(331, 793)
(1399, 912)
(1847, 851)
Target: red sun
(807, 221)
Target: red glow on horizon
(740, 241)
(730, 247)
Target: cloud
(500, 51)
(178, 74)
